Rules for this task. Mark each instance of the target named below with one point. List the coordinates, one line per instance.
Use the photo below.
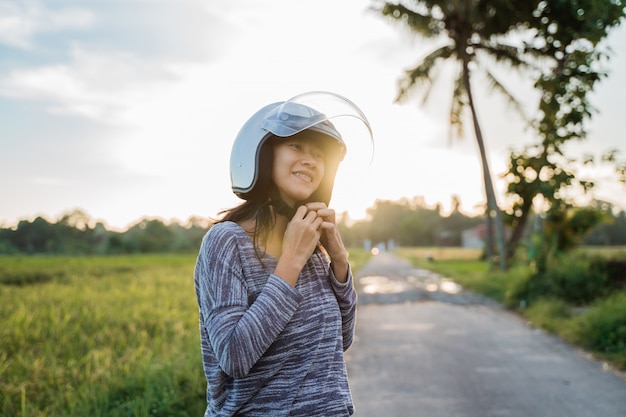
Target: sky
(127, 109)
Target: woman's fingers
(304, 229)
(322, 210)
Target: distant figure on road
(273, 283)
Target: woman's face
(299, 164)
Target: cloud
(94, 85)
(171, 30)
(20, 22)
(98, 59)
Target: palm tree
(474, 32)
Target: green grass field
(102, 336)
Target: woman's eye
(300, 148)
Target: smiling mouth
(304, 176)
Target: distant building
(474, 237)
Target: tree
(152, 235)
(474, 32)
(564, 227)
(386, 218)
(611, 232)
(532, 173)
(567, 35)
(37, 236)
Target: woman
(273, 283)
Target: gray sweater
(269, 349)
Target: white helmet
(313, 111)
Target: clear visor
(328, 113)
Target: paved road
(426, 348)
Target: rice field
(99, 336)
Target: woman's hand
(331, 239)
(301, 237)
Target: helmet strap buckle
(283, 208)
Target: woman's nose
(308, 161)
(309, 158)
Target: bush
(603, 328)
(614, 269)
(571, 280)
(549, 314)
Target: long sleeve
(239, 333)
(347, 300)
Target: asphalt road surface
(426, 348)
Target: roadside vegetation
(358, 257)
(580, 297)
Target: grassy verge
(358, 258)
(102, 336)
(465, 267)
(598, 327)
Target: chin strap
(283, 208)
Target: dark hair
(257, 204)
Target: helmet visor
(328, 113)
